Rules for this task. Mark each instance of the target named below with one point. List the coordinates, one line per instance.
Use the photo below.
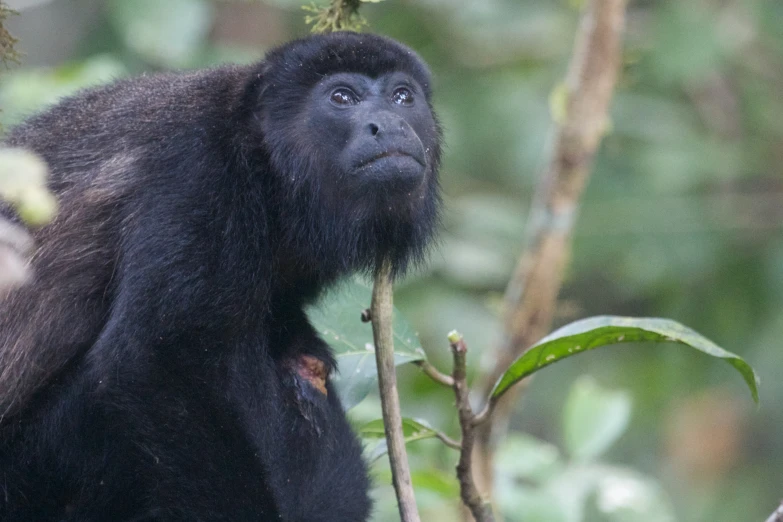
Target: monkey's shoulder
(154, 105)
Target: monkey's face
(354, 148)
(364, 143)
(379, 132)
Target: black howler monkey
(160, 366)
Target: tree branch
(479, 508)
(381, 313)
(532, 292)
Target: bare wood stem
(479, 508)
(381, 313)
(532, 292)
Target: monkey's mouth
(390, 154)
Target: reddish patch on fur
(313, 370)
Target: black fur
(148, 372)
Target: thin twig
(381, 313)
(532, 292)
(777, 516)
(434, 374)
(481, 510)
(448, 441)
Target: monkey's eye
(402, 96)
(343, 96)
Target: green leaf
(594, 332)
(412, 430)
(337, 320)
(594, 418)
(437, 481)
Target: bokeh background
(683, 218)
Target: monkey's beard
(343, 231)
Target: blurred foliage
(8, 52)
(338, 15)
(23, 185)
(537, 483)
(167, 33)
(683, 218)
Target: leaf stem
(434, 374)
(448, 441)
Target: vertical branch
(532, 292)
(479, 508)
(381, 313)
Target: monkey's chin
(394, 172)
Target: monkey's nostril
(374, 129)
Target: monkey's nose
(386, 124)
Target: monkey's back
(106, 148)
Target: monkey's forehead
(307, 61)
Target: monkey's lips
(393, 155)
(398, 167)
